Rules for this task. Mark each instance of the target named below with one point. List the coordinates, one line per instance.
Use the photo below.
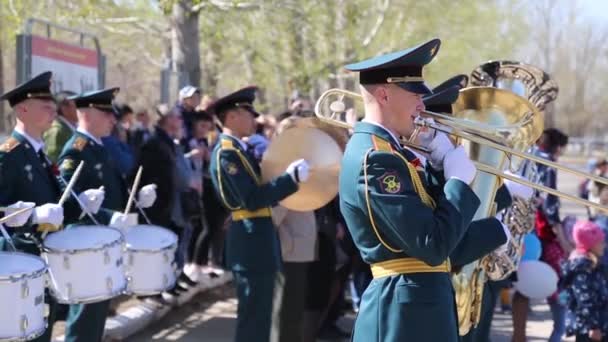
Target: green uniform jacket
(405, 307)
(56, 137)
(98, 170)
(252, 245)
(23, 177)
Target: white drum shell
(149, 259)
(85, 264)
(22, 283)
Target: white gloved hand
(504, 247)
(50, 213)
(298, 170)
(439, 145)
(92, 199)
(147, 196)
(457, 164)
(21, 219)
(120, 221)
(517, 189)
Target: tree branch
(379, 21)
(225, 5)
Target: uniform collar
(371, 127)
(88, 135)
(241, 142)
(36, 144)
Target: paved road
(211, 316)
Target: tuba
(537, 87)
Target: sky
(595, 9)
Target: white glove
(21, 219)
(517, 189)
(504, 247)
(92, 199)
(298, 170)
(439, 144)
(147, 196)
(50, 213)
(457, 164)
(121, 221)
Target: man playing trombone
(407, 219)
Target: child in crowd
(585, 285)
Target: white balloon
(536, 279)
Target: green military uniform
(56, 137)
(406, 220)
(25, 177)
(85, 322)
(252, 245)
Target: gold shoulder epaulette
(227, 143)
(9, 144)
(79, 143)
(381, 144)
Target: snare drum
(85, 264)
(22, 316)
(149, 259)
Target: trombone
(468, 130)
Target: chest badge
(232, 169)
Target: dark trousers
(46, 337)
(254, 313)
(86, 322)
(289, 303)
(211, 240)
(491, 293)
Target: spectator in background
(161, 159)
(117, 143)
(592, 189)
(63, 126)
(141, 130)
(585, 285)
(298, 237)
(555, 245)
(189, 100)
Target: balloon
(536, 279)
(532, 248)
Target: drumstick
(3, 230)
(11, 215)
(68, 189)
(82, 206)
(133, 190)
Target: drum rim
(88, 300)
(21, 276)
(52, 250)
(149, 250)
(31, 336)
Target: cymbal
(322, 153)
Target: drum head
(82, 237)
(149, 238)
(16, 264)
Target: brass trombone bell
(483, 134)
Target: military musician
(252, 245)
(107, 199)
